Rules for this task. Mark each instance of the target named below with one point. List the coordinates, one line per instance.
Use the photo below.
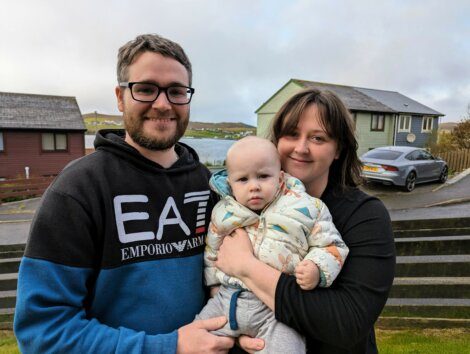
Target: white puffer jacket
(295, 226)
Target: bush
(461, 134)
(459, 138)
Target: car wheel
(444, 175)
(410, 181)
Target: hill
(449, 126)
(225, 130)
(99, 116)
(223, 125)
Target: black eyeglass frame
(160, 90)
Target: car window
(383, 154)
(426, 155)
(415, 155)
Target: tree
(461, 133)
(459, 138)
(445, 142)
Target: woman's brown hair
(338, 124)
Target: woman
(314, 135)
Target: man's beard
(134, 127)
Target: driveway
(429, 200)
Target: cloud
(243, 51)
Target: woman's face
(309, 152)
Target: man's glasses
(148, 92)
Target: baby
(289, 230)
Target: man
(114, 259)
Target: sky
(243, 51)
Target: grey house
(381, 117)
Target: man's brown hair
(129, 52)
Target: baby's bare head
(252, 151)
(254, 172)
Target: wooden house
(39, 135)
(381, 117)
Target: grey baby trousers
(254, 319)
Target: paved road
(427, 201)
(15, 220)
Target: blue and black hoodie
(114, 260)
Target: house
(39, 134)
(381, 117)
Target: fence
(23, 188)
(457, 160)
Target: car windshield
(383, 154)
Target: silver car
(402, 166)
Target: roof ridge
(343, 85)
(34, 94)
(321, 83)
(366, 88)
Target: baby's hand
(214, 290)
(307, 274)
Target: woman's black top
(340, 319)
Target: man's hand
(195, 337)
(307, 274)
(214, 290)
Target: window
(425, 155)
(413, 156)
(54, 141)
(383, 154)
(377, 122)
(2, 147)
(427, 125)
(404, 124)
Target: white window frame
(405, 129)
(426, 127)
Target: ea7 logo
(163, 220)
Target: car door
(415, 160)
(434, 165)
(427, 165)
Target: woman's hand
(236, 259)
(235, 254)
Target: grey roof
(399, 102)
(353, 99)
(363, 99)
(28, 111)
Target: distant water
(209, 150)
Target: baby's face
(254, 180)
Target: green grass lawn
(407, 341)
(424, 341)
(8, 343)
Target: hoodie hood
(112, 140)
(219, 183)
